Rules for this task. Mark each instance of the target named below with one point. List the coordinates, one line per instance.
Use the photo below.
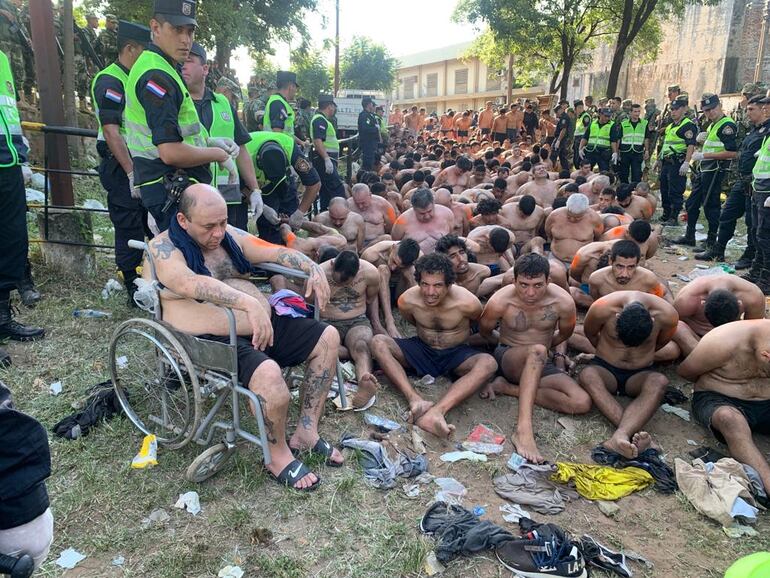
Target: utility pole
(509, 96)
(762, 36)
(337, 49)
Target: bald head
(199, 197)
(338, 211)
(443, 197)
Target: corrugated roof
(435, 55)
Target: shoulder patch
(156, 89)
(728, 130)
(302, 165)
(689, 134)
(113, 95)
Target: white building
(441, 79)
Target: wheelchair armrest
(281, 270)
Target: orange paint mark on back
(290, 239)
(575, 261)
(390, 213)
(261, 243)
(658, 290)
(401, 220)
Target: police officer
(369, 136)
(561, 140)
(761, 205)
(279, 114)
(672, 92)
(273, 155)
(327, 150)
(14, 243)
(108, 94)
(600, 141)
(718, 151)
(582, 122)
(169, 146)
(676, 150)
(634, 145)
(739, 199)
(220, 119)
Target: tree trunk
(70, 74)
(617, 63)
(566, 71)
(552, 85)
(223, 55)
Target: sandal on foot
(293, 473)
(321, 447)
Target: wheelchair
(175, 386)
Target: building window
(461, 81)
(431, 84)
(576, 81)
(409, 84)
(493, 81)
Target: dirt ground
(345, 528)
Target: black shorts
(426, 360)
(548, 369)
(462, 133)
(486, 130)
(621, 375)
(293, 340)
(500, 137)
(705, 403)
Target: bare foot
(498, 385)
(367, 388)
(525, 445)
(417, 409)
(305, 444)
(642, 441)
(622, 446)
(433, 422)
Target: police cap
(764, 100)
(176, 12)
(133, 31)
(709, 100)
(324, 99)
(673, 88)
(605, 111)
(284, 77)
(273, 161)
(199, 51)
(577, 102)
(757, 99)
(367, 100)
(679, 102)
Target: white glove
(766, 204)
(229, 166)
(582, 153)
(555, 146)
(701, 138)
(684, 168)
(270, 215)
(135, 192)
(256, 202)
(328, 165)
(697, 156)
(614, 158)
(226, 144)
(296, 218)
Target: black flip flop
(321, 447)
(293, 473)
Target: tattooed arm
(258, 251)
(173, 272)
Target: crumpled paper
(189, 501)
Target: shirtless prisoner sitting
(488, 213)
(349, 224)
(377, 212)
(442, 313)
(461, 211)
(641, 232)
(472, 276)
(571, 227)
(709, 302)
(732, 388)
(456, 177)
(625, 274)
(394, 261)
(426, 222)
(635, 206)
(320, 236)
(202, 263)
(626, 328)
(525, 218)
(354, 285)
(534, 316)
(492, 247)
(541, 187)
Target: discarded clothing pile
(101, 405)
(530, 486)
(458, 532)
(721, 490)
(379, 470)
(673, 396)
(600, 556)
(649, 460)
(601, 482)
(289, 304)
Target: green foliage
(313, 75)
(227, 24)
(367, 65)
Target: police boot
(12, 329)
(709, 243)
(27, 291)
(756, 268)
(666, 215)
(687, 239)
(746, 260)
(673, 217)
(21, 567)
(128, 281)
(714, 253)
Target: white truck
(349, 107)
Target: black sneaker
(21, 567)
(712, 254)
(743, 263)
(685, 240)
(541, 558)
(12, 329)
(29, 295)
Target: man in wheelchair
(202, 263)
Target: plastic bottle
(91, 313)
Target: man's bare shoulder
(356, 219)
(161, 248)
(369, 270)
(443, 211)
(460, 296)
(323, 218)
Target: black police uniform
(127, 214)
(672, 184)
(162, 119)
(707, 187)
(237, 215)
(277, 114)
(630, 161)
(602, 157)
(368, 139)
(331, 184)
(562, 133)
(581, 126)
(739, 199)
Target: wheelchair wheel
(155, 381)
(209, 463)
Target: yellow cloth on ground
(602, 482)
